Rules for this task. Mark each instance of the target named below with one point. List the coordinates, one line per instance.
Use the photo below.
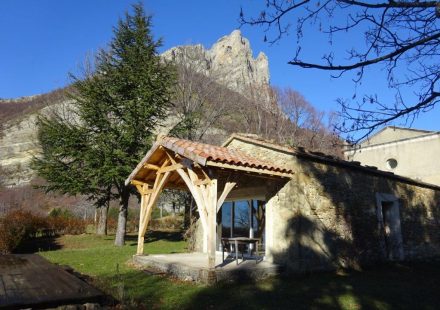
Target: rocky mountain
(229, 61)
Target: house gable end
(391, 134)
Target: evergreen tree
(116, 109)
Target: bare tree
(288, 118)
(401, 37)
(199, 100)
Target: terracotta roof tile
(207, 152)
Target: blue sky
(42, 41)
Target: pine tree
(116, 108)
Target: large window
(242, 218)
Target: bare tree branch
(401, 37)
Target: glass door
(242, 218)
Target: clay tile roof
(202, 153)
(300, 151)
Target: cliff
(230, 62)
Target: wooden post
(232, 218)
(212, 216)
(144, 202)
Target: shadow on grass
(400, 286)
(38, 244)
(154, 235)
(52, 243)
(172, 236)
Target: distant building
(408, 152)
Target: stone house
(403, 151)
(310, 211)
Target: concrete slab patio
(194, 267)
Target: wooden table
(242, 240)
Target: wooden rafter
(151, 167)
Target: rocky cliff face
(18, 145)
(229, 61)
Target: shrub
(11, 236)
(58, 212)
(132, 220)
(16, 226)
(19, 225)
(66, 225)
(170, 222)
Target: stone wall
(326, 216)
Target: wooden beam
(226, 190)
(170, 168)
(200, 189)
(153, 199)
(142, 191)
(211, 205)
(151, 166)
(198, 199)
(137, 182)
(202, 182)
(170, 157)
(144, 203)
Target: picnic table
(236, 241)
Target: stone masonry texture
(325, 217)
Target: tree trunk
(122, 218)
(101, 228)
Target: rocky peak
(230, 61)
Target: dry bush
(66, 225)
(18, 225)
(170, 222)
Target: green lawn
(409, 286)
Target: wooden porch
(211, 173)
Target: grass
(398, 286)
